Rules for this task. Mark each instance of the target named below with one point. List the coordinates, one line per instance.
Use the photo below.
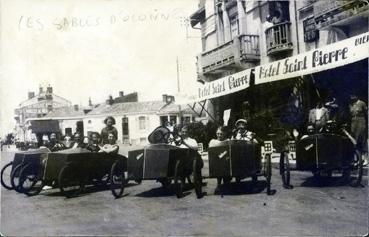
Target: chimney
(76, 108)
(165, 98)
(121, 93)
(49, 90)
(31, 95)
(41, 90)
(170, 99)
(110, 100)
(89, 102)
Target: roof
(190, 110)
(65, 112)
(43, 97)
(135, 108)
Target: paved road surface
(149, 210)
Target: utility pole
(178, 91)
(178, 88)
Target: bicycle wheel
(284, 169)
(5, 176)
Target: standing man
(358, 114)
(188, 142)
(319, 116)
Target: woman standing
(109, 122)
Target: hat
(240, 121)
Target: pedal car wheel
(178, 182)
(70, 184)
(14, 178)
(197, 179)
(356, 173)
(28, 180)
(117, 179)
(165, 182)
(284, 168)
(138, 181)
(5, 176)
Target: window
(142, 122)
(68, 131)
(234, 27)
(125, 126)
(173, 120)
(186, 119)
(311, 34)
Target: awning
(44, 126)
(197, 16)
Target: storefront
(280, 94)
(44, 127)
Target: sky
(95, 48)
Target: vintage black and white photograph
(184, 117)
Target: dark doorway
(80, 127)
(68, 131)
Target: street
(148, 209)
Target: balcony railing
(241, 48)
(278, 38)
(328, 12)
(249, 45)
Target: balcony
(333, 12)
(278, 38)
(243, 48)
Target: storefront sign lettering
(320, 58)
(324, 58)
(225, 85)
